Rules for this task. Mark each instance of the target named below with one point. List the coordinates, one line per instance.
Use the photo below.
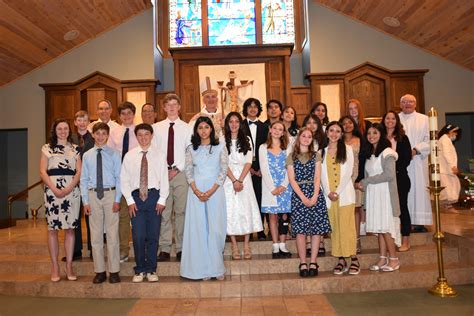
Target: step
(258, 247)
(260, 264)
(235, 286)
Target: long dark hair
(398, 132)
(318, 135)
(248, 103)
(341, 154)
(243, 144)
(381, 145)
(355, 131)
(448, 128)
(196, 139)
(53, 137)
(315, 106)
(293, 129)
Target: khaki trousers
(124, 228)
(175, 207)
(104, 220)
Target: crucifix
(230, 93)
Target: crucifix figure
(230, 93)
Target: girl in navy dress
(308, 206)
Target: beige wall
(125, 52)
(339, 43)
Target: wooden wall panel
(410, 85)
(63, 104)
(370, 91)
(301, 101)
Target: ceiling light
(71, 35)
(391, 21)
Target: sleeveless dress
(380, 217)
(308, 220)
(61, 213)
(243, 213)
(276, 164)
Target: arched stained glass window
(185, 23)
(231, 22)
(278, 23)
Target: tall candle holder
(441, 288)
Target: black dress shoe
(419, 229)
(313, 269)
(276, 255)
(178, 256)
(99, 278)
(114, 277)
(285, 254)
(261, 236)
(74, 258)
(163, 256)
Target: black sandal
(313, 271)
(321, 250)
(354, 269)
(340, 268)
(303, 272)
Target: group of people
(224, 176)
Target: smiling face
(172, 108)
(81, 123)
(373, 136)
(390, 121)
(148, 114)
(306, 138)
(127, 116)
(100, 136)
(312, 125)
(277, 130)
(320, 112)
(353, 111)
(104, 111)
(144, 138)
(62, 131)
(252, 111)
(334, 133)
(347, 125)
(204, 131)
(408, 104)
(288, 115)
(210, 101)
(234, 124)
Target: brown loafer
(99, 278)
(163, 256)
(114, 277)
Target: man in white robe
(416, 126)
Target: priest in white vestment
(416, 126)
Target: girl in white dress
(381, 197)
(448, 164)
(243, 213)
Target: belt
(104, 189)
(138, 190)
(305, 182)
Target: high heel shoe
(388, 268)
(235, 252)
(376, 267)
(55, 278)
(247, 253)
(70, 277)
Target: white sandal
(388, 268)
(376, 267)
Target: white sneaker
(152, 277)
(138, 278)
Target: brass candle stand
(441, 288)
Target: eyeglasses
(407, 102)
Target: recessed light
(71, 35)
(391, 21)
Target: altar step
(415, 276)
(259, 264)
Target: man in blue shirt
(100, 191)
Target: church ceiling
(442, 27)
(32, 31)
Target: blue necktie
(126, 138)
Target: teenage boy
(172, 136)
(144, 183)
(122, 139)
(100, 190)
(274, 110)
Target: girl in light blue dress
(276, 193)
(206, 218)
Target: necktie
(125, 142)
(143, 190)
(81, 141)
(252, 122)
(170, 155)
(100, 179)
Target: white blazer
(268, 199)
(345, 190)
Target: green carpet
(404, 302)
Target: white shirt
(157, 173)
(115, 140)
(111, 124)
(253, 132)
(182, 138)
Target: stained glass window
(278, 23)
(231, 22)
(185, 23)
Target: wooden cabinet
(65, 99)
(187, 61)
(379, 89)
